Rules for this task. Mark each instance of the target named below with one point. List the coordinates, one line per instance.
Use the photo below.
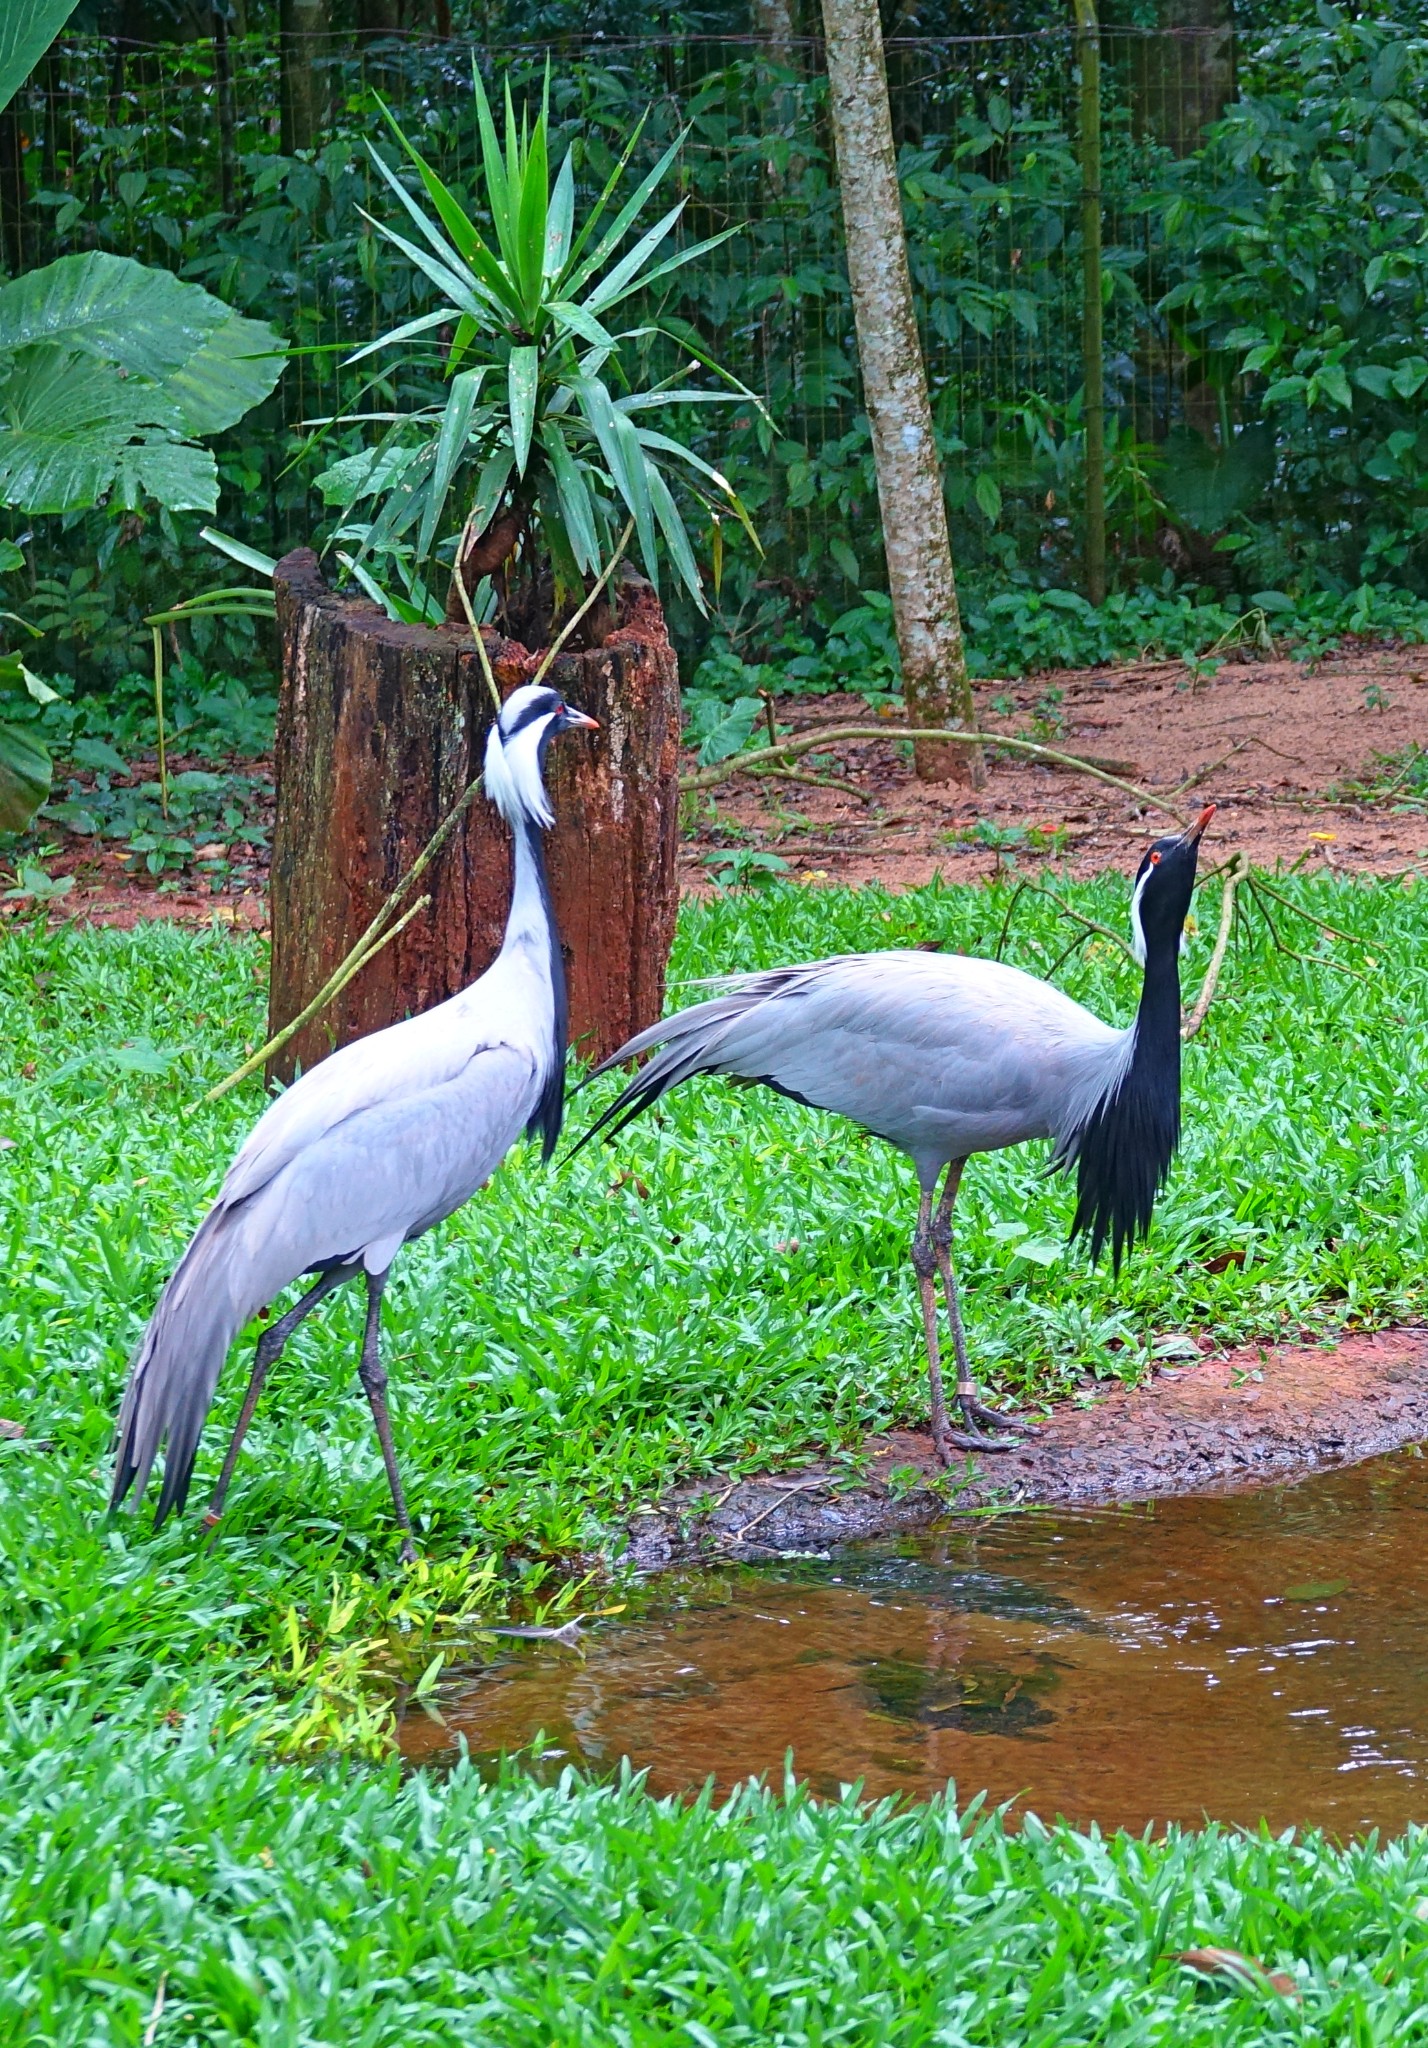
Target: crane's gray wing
(939, 1053)
(383, 1173)
(409, 1059)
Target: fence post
(1088, 43)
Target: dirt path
(1239, 1418)
(1276, 744)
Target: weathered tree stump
(380, 728)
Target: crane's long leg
(974, 1409)
(945, 1439)
(269, 1350)
(374, 1379)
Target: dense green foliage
(533, 445)
(281, 1907)
(568, 1344)
(1298, 220)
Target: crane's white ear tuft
(1137, 929)
(513, 777)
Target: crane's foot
(980, 1416)
(408, 1552)
(953, 1440)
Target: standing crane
(383, 1139)
(944, 1056)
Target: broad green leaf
(27, 28)
(181, 477)
(365, 474)
(523, 375)
(25, 775)
(11, 558)
(150, 323)
(64, 420)
(450, 447)
(729, 734)
(236, 369)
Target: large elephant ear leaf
(235, 370)
(25, 767)
(27, 28)
(114, 368)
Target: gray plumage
(944, 1056)
(367, 1150)
(941, 1054)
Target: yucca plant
(541, 453)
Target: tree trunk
(773, 22)
(380, 728)
(1183, 74)
(914, 511)
(305, 40)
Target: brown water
(1246, 1656)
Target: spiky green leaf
(524, 375)
(450, 447)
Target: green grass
(570, 1344)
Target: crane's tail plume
(693, 1042)
(174, 1371)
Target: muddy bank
(1241, 1417)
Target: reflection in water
(1246, 1656)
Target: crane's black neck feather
(549, 1112)
(1124, 1149)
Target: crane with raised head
(943, 1056)
(376, 1144)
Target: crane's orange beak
(1193, 835)
(581, 719)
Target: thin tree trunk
(773, 21)
(1183, 74)
(223, 79)
(1093, 370)
(914, 511)
(305, 33)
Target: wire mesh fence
(188, 155)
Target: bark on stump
(380, 728)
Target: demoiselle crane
(365, 1151)
(944, 1056)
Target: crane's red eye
(1155, 860)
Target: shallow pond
(1242, 1656)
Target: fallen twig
(367, 948)
(844, 785)
(1234, 871)
(797, 744)
(1200, 773)
(786, 1490)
